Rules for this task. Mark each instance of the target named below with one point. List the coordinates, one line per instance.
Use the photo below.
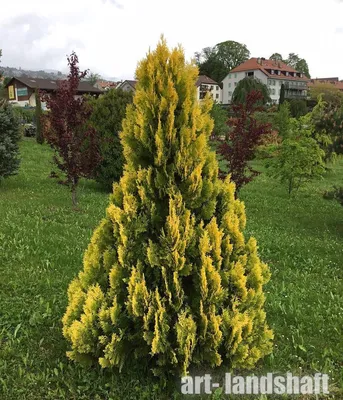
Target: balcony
(295, 94)
(296, 85)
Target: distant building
(205, 85)
(325, 80)
(335, 82)
(270, 72)
(106, 85)
(127, 86)
(21, 90)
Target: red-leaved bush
(68, 131)
(244, 136)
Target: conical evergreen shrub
(168, 276)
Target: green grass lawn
(42, 241)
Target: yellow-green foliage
(168, 277)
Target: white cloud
(114, 2)
(111, 36)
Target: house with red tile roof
(270, 72)
(206, 85)
(106, 85)
(335, 82)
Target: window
(235, 75)
(217, 87)
(229, 76)
(287, 73)
(273, 91)
(249, 74)
(272, 72)
(230, 94)
(217, 96)
(235, 83)
(229, 84)
(269, 81)
(211, 88)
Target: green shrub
(24, 115)
(299, 158)
(169, 279)
(9, 138)
(107, 116)
(298, 108)
(220, 121)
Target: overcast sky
(110, 36)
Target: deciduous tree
(69, 134)
(276, 57)
(92, 78)
(248, 85)
(216, 62)
(243, 139)
(299, 64)
(299, 158)
(294, 61)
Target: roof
(130, 82)
(325, 80)
(51, 84)
(336, 84)
(265, 65)
(106, 84)
(204, 79)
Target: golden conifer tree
(168, 276)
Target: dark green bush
(9, 138)
(298, 108)
(108, 114)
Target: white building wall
(126, 87)
(231, 81)
(214, 90)
(273, 83)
